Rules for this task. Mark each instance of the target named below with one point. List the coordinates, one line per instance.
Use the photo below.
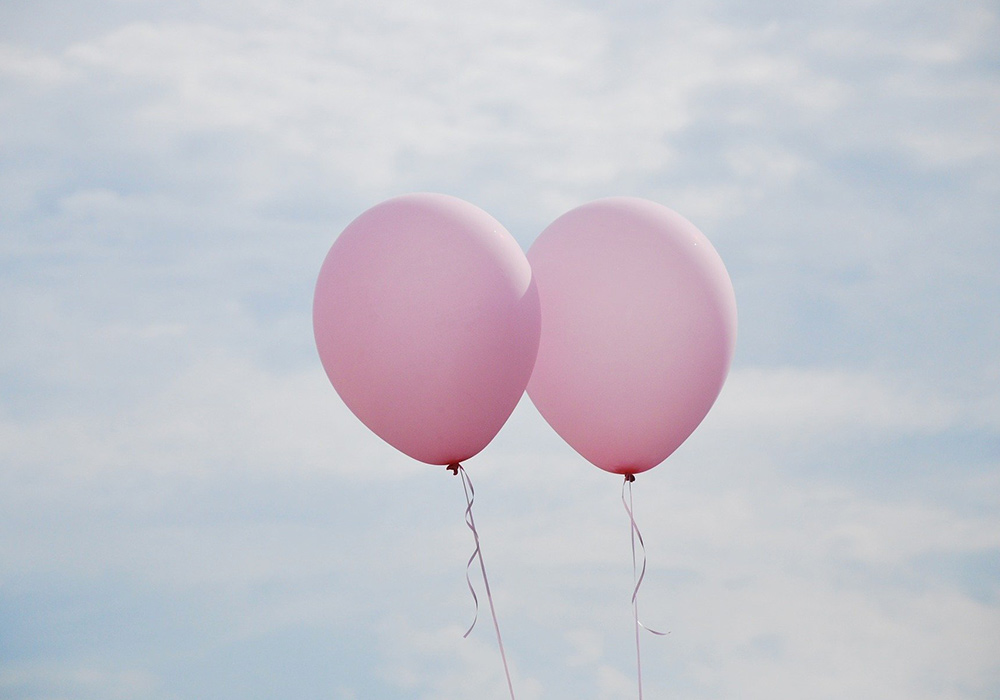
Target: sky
(187, 510)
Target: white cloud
(803, 403)
(21, 680)
(221, 414)
(32, 67)
(474, 670)
(173, 183)
(778, 589)
(363, 94)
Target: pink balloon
(638, 331)
(426, 319)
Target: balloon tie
(470, 497)
(637, 575)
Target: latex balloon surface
(426, 319)
(638, 331)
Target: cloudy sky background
(188, 511)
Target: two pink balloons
(430, 321)
(638, 331)
(427, 323)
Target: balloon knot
(453, 468)
(630, 478)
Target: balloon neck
(630, 478)
(453, 468)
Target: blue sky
(188, 511)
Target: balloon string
(637, 576)
(470, 497)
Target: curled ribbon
(637, 575)
(470, 497)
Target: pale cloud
(21, 680)
(803, 404)
(173, 176)
(554, 90)
(219, 414)
(808, 639)
(475, 670)
(30, 66)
